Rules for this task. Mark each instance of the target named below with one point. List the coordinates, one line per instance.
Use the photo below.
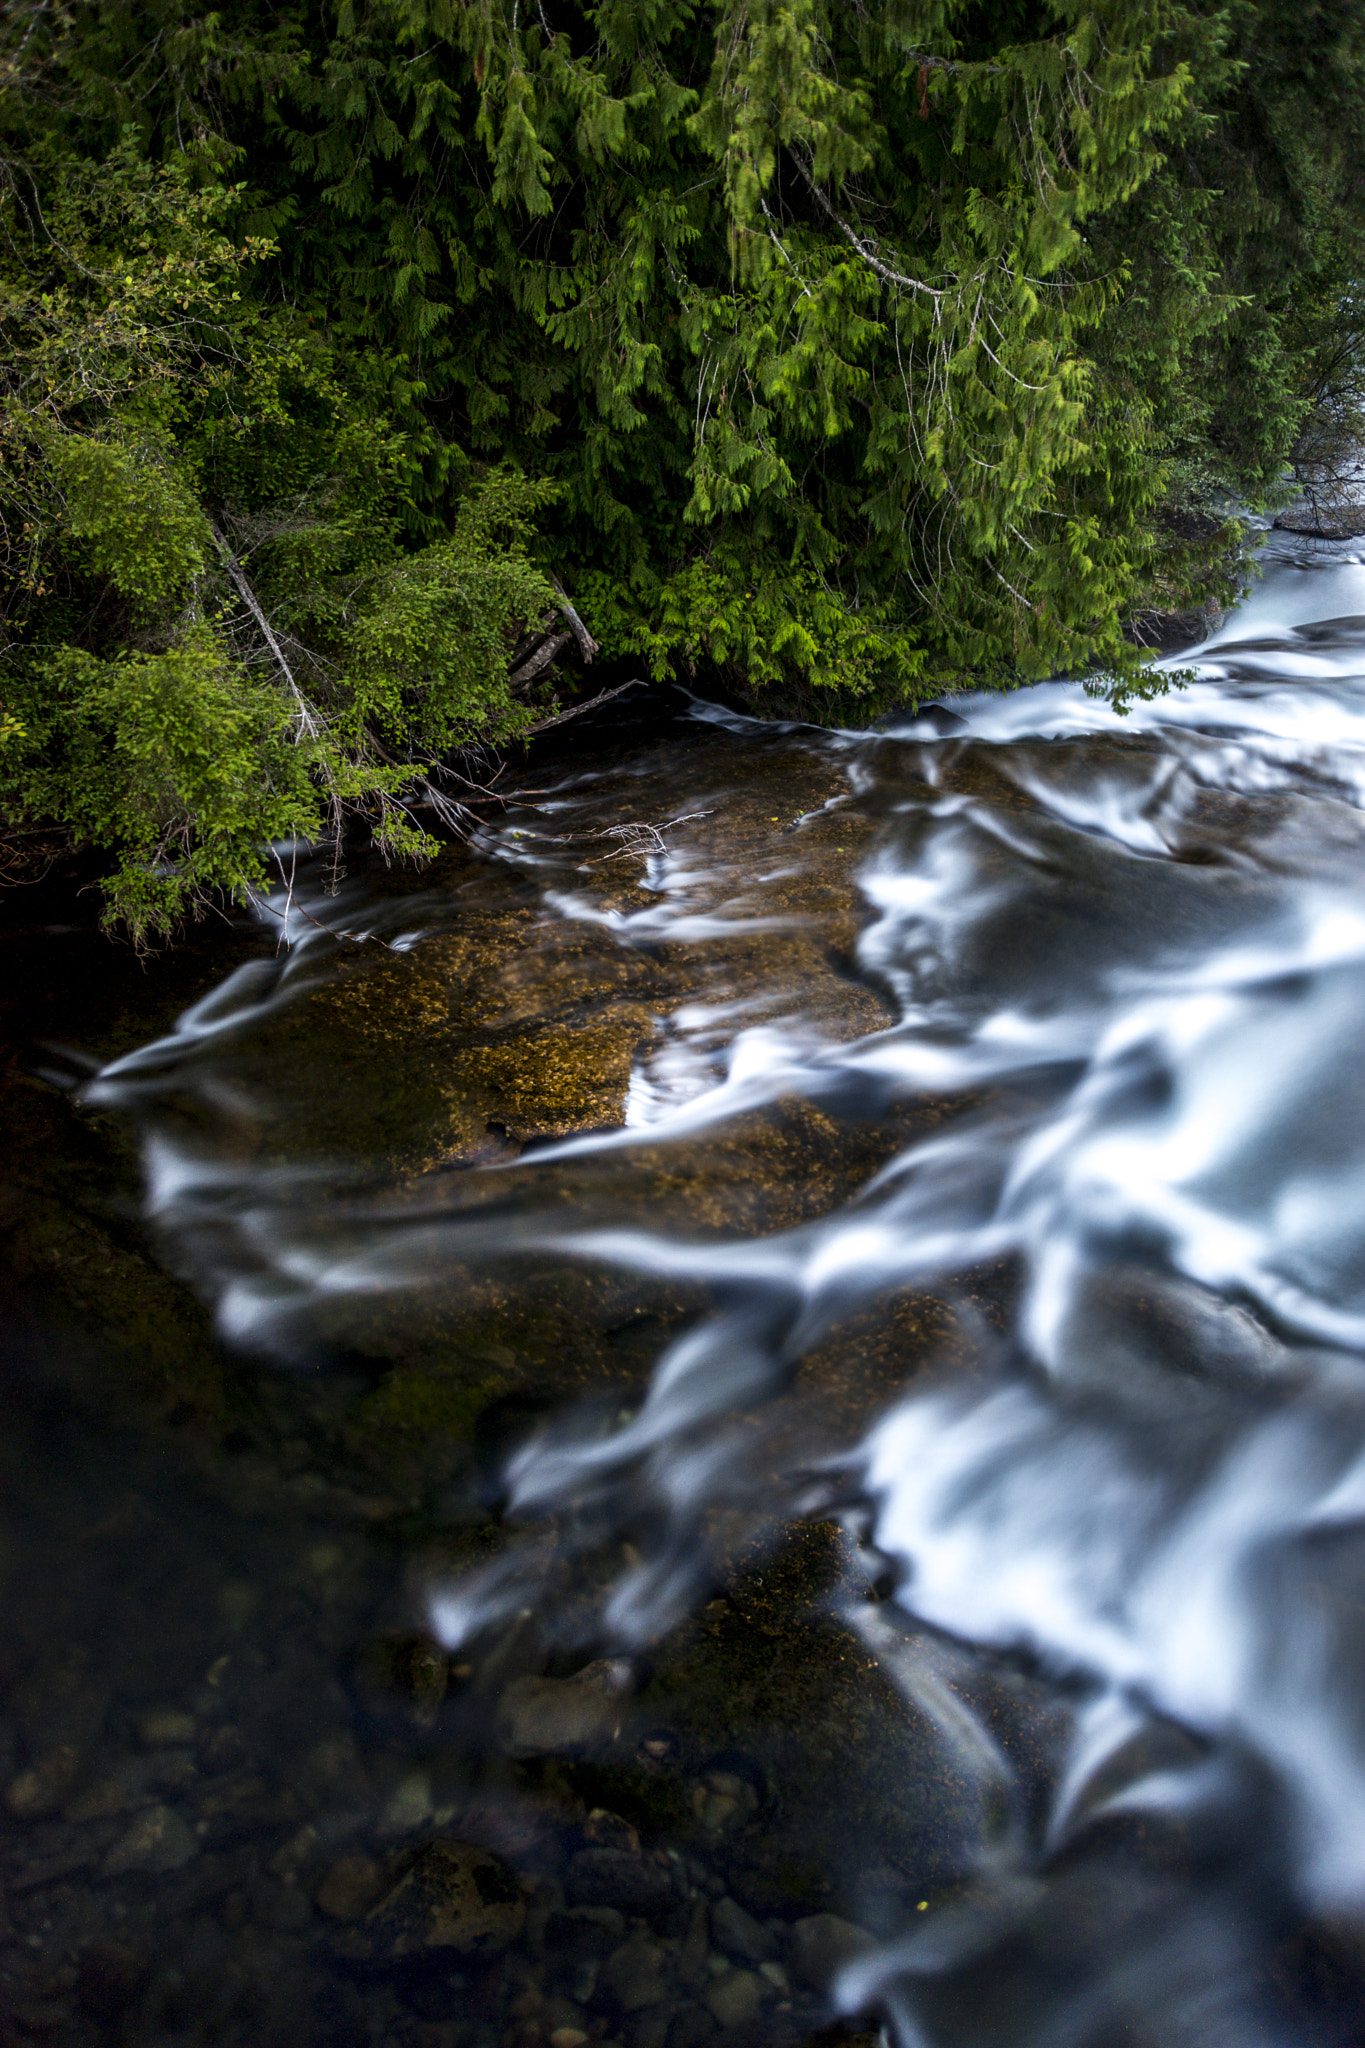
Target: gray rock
(158, 1840)
(1335, 522)
(565, 1716)
(613, 1877)
(455, 1897)
(736, 1997)
(637, 1975)
(821, 1946)
(739, 1934)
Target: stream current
(950, 1139)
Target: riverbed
(735, 1416)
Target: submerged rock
(565, 1716)
(736, 1997)
(158, 1840)
(167, 1728)
(638, 1974)
(822, 1944)
(44, 1786)
(454, 1897)
(739, 1934)
(613, 1877)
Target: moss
(413, 1406)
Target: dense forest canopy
(366, 368)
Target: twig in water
(641, 838)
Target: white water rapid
(1122, 962)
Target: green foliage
(218, 634)
(140, 526)
(177, 759)
(873, 350)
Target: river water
(858, 1239)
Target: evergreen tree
(876, 349)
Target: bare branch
(587, 646)
(539, 661)
(856, 242)
(306, 717)
(576, 710)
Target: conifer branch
(857, 243)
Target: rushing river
(858, 1239)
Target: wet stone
(823, 1944)
(637, 1975)
(565, 1716)
(410, 1805)
(593, 1930)
(739, 1934)
(613, 1877)
(44, 1786)
(736, 1997)
(166, 1728)
(159, 1840)
(602, 1830)
(455, 1897)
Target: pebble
(455, 1897)
(101, 1801)
(613, 1877)
(565, 1716)
(158, 1840)
(586, 1930)
(167, 1728)
(822, 1944)
(289, 1860)
(651, 2028)
(715, 1810)
(723, 1800)
(568, 2037)
(410, 1806)
(736, 1997)
(637, 1974)
(739, 1934)
(44, 1786)
(605, 1830)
